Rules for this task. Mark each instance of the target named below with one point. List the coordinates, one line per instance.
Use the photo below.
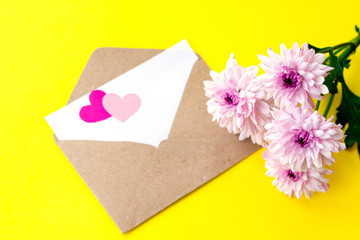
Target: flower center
(231, 97)
(302, 138)
(294, 176)
(288, 82)
(289, 77)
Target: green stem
(349, 49)
(328, 49)
(335, 52)
(317, 105)
(328, 105)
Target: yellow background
(44, 46)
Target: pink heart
(94, 112)
(121, 108)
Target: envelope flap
(106, 64)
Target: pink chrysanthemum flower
(303, 139)
(295, 183)
(237, 102)
(296, 76)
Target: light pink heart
(121, 108)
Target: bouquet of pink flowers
(277, 111)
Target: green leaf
(352, 133)
(335, 75)
(338, 69)
(331, 84)
(356, 28)
(349, 113)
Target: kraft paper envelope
(134, 181)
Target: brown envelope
(135, 181)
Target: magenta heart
(94, 112)
(121, 108)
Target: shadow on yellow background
(44, 46)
